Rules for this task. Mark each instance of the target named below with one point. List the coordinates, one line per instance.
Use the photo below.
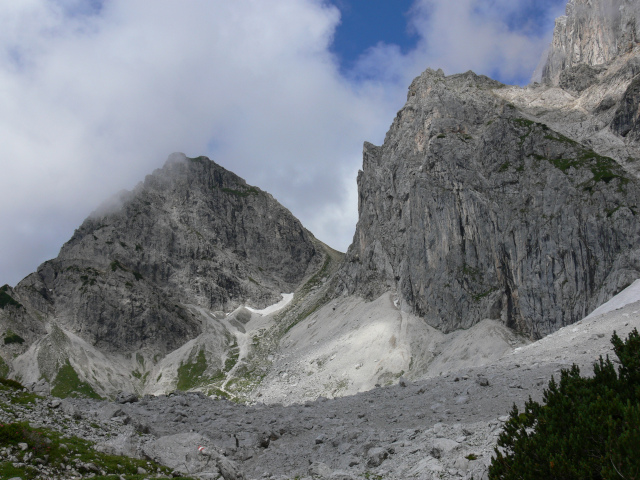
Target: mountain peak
(593, 32)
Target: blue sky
(94, 95)
(365, 23)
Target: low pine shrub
(586, 428)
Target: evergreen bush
(586, 428)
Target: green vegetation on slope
(7, 300)
(191, 375)
(4, 368)
(12, 337)
(603, 169)
(68, 384)
(54, 450)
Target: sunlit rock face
(593, 32)
(473, 210)
(508, 203)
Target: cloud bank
(95, 95)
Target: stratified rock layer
(472, 210)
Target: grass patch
(18, 396)
(12, 337)
(504, 167)
(7, 382)
(4, 369)
(232, 359)
(217, 391)
(57, 450)
(7, 300)
(603, 169)
(558, 137)
(68, 384)
(523, 122)
(190, 374)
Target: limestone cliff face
(472, 209)
(192, 234)
(593, 32)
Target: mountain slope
(135, 278)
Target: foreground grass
(49, 453)
(56, 452)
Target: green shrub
(586, 428)
(13, 433)
(11, 337)
(6, 299)
(7, 382)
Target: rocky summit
(132, 281)
(590, 35)
(194, 324)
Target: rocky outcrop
(443, 427)
(591, 33)
(626, 121)
(471, 210)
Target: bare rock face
(626, 121)
(508, 203)
(192, 234)
(592, 32)
(473, 210)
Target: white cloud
(93, 100)
(466, 35)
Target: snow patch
(631, 294)
(286, 299)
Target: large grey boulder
(192, 454)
